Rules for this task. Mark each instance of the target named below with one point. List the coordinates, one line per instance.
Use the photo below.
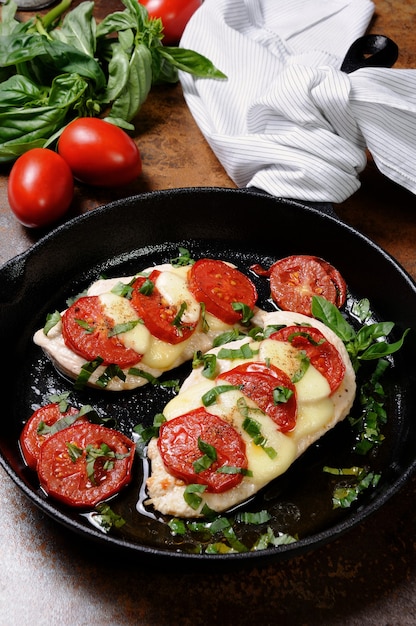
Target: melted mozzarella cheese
(157, 356)
(121, 312)
(318, 411)
(173, 288)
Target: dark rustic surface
(368, 577)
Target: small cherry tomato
(40, 187)
(99, 153)
(175, 14)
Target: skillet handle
(370, 51)
(366, 51)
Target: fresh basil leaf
(331, 317)
(191, 62)
(382, 349)
(137, 87)
(78, 29)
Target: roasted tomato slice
(163, 320)
(270, 388)
(295, 279)
(322, 354)
(218, 286)
(41, 425)
(85, 464)
(181, 442)
(86, 328)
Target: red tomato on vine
(175, 14)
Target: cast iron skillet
(127, 235)
(244, 227)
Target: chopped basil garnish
(230, 469)
(345, 494)
(177, 526)
(52, 320)
(61, 399)
(192, 497)
(63, 422)
(145, 434)
(229, 335)
(273, 328)
(87, 369)
(204, 325)
(256, 333)
(281, 394)
(106, 517)
(125, 290)
(177, 320)
(92, 454)
(103, 452)
(208, 362)
(184, 258)
(306, 335)
(270, 539)
(147, 288)
(253, 429)
(118, 329)
(235, 543)
(246, 312)
(210, 397)
(245, 351)
(261, 517)
(304, 363)
(373, 416)
(74, 452)
(85, 326)
(134, 371)
(208, 457)
(111, 371)
(225, 530)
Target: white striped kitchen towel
(287, 120)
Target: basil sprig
(54, 70)
(366, 344)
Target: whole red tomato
(174, 14)
(40, 187)
(99, 153)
